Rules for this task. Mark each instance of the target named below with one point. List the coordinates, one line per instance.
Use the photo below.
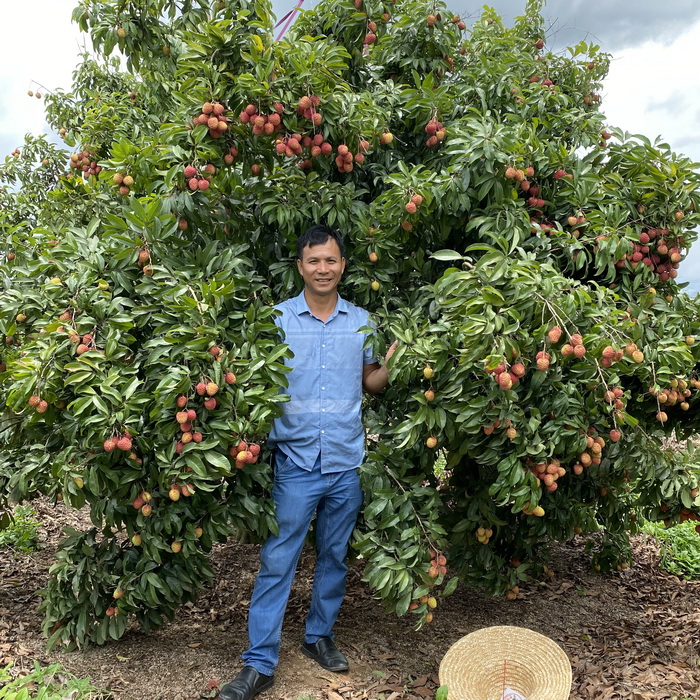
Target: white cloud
(654, 89)
(43, 44)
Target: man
(320, 445)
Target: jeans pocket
(283, 463)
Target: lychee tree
(523, 252)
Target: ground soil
(632, 635)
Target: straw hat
(482, 664)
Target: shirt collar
(302, 307)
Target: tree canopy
(522, 250)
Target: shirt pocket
(305, 349)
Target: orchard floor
(633, 635)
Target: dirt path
(633, 635)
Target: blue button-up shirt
(324, 414)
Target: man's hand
(376, 377)
(390, 352)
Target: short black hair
(317, 235)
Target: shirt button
(323, 410)
(322, 432)
(323, 366)
(324, 345)
(323, 388)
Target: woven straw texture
(535, 666)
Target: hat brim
(482, 664)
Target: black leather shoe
(246, 685)
(326, 654)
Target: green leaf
(451, 586)
(217, 460)
(447, 255)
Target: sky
(653, 87)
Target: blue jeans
(336, 499)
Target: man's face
(321, 267)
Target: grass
(680, 548)
(50, 683)
(22, 534)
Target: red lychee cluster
(615, 397)
(143, 503)
(263, 123)
(436, 133)
(197, 180)
(536, 202)
(293, 147)
(574, 347)
(123, 442)
(438, 565)
(370, 37)
(554, 334)
(230, 157)
(592, 454)
(213, 116)
(576, 223)
(542, 361)
(610, 355)
(174, 493)
(658, 251)
(38, 404)
(413, 203)
(185, 419)
(675, 393)
(633, 352)
(244, 453)
(511, 432)
(124, 181)
(144, 260)
(518, 175)
(484, 534)
(686, 514)
(306, 107)
(527, 189)
(207, 388)
(561, 173)
(85, 344)
(84, 161)
(505, 378)
(548, 473)
(545, 82)
(345, 158)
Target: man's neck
(321, 306)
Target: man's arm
(375, 377)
